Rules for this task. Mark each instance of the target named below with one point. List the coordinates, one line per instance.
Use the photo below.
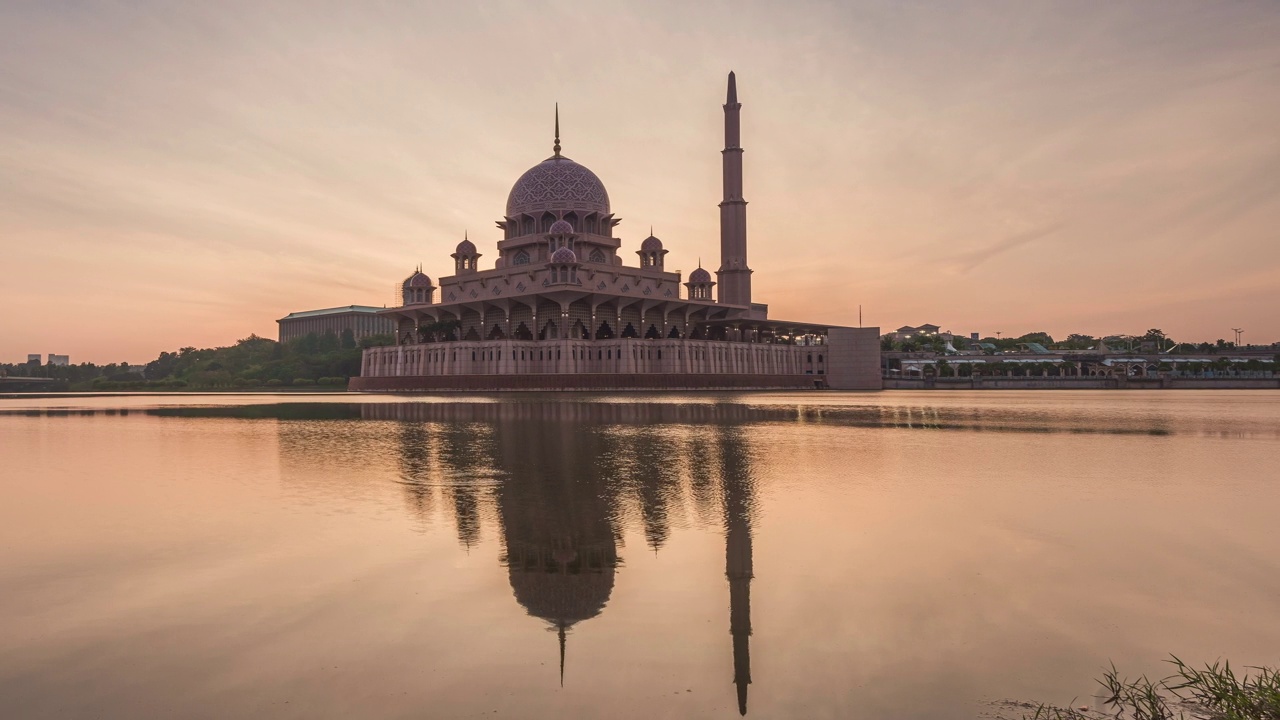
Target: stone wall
(597, 381)
(520, 357)
(624, 363)
(855, 358)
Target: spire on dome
(556, 147)
(732, 97)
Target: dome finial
(556, 147)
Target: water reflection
(1013, 418)
(560, 496)
(243, 557)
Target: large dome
(557, 184)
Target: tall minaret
(734, 275)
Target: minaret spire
(556, 147)
(734, 274)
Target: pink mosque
(559, 309)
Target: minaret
(734, 275)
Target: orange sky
(185, 174)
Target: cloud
(966, 261)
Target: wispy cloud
(966, 261)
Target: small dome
(466, 247)
(564, 255)
(561, 227)
(699, 276)
(417, 280)
(650, 244)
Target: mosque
(559, 309)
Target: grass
(1212, 693)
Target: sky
(184, 174)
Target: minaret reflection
(739, 499)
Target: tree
(1043, 338)
(1077, 341)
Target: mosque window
(522, 258)
(597, 256)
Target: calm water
(891, 555)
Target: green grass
(1212, 693)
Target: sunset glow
(184, 175)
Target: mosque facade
(560, 309)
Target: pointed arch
(630, 331)
(675, 333)
(522, 332)
(604, 332)
(471, 334)
(579, 331)
(496, 333)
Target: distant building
(33, 359)
(361, 320)
(59, 360)
(906, 332)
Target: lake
(808, 555)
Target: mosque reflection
(559, 476)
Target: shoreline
(1017, 385)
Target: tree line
(315, 359)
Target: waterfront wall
(853, 356)
(1082, 383)
(624, 355)
(597, 381)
